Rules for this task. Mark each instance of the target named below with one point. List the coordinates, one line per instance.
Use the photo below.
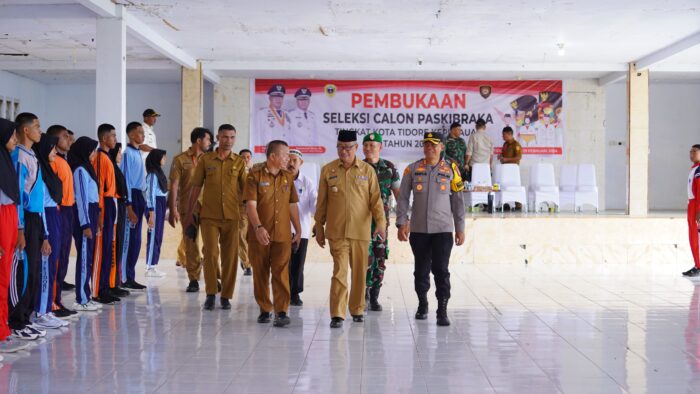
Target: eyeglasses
(345, 147)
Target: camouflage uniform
(388, 178)
(455, 149)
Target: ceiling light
(561, 51)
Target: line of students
(53, 189)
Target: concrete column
(110, 106)
(192, 102)
(638, 128)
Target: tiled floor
(516, 328)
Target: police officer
(348, 201)
(303, 121)
(272, 121)
(437, 211)
(389, 182)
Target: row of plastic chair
(578, 186)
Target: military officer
(437, 211)
(272, 121)
(456, 147)
(389, 182)
(303, 121)
(348, 201)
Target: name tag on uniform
(262, 183)
(362, 178)
(211, 168)
(332, 177)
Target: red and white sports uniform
(693, 208)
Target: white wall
(31, 94)
(73, 106)
(673, 128)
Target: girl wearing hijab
(156, 192)
(117, 275)
(45, 152)
(9, 197)
(87, 200)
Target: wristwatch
(258, 227)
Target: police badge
(485, 91)
(330, 90)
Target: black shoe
(247, 272)
(117, 292)
(115, 299)
(132, 285)
(296, 300)
(218, 285)
(104, 299)
(209, 303)
(358, 318)
(337, 322)
(281, 320)
(67, 286)
(64, 310)
(374, 304)
(422, 312)
(692, 272)
(193, 287)
(62, 313)
(442, 319)
(225, 304)
(264, 317)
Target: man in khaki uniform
(183, 166)
(479, 148)
(220, 177)
(348, 201)
(271, 203)
(247, 157)
(512, 152)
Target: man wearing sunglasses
(348, 201)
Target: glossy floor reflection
(516, 328)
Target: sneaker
(154, 273)
(44, 321)
(61, 322)
(32, 329)
(11, 345)
(132, 285)
(24, 335)
(119, 292)
(85, 307)
(95, 304)
(692, 272)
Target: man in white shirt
(150, 117)
(272, 122)
(306, 189)
(303, 121)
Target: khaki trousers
(271, 259)
(190, 256)
(242, 242)
(354, 254)
(220, 235)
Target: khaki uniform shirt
(273, 194)
(348, 200)
(438, 201)
(182, 170)
(480, 148)
(223, 182)
(512, 150)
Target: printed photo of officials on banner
(309, 113)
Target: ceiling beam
(211, 76)
(48, 11)
(103, 8)
(607, 79)
(40, 65)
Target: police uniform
(303, 123)
(348, 201)
(222, 181)
(437, 211)
(273, 124)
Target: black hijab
(118, 174)
(153, 166)
(53, 182)
(79, 155)
(9, 183)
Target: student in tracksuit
(67, 211)
(156, 193)
(32, 238)
(135, 175)
(694, 210)
(116, 281)
(9, 197)
(45, 152)
(87, 204)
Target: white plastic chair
(567, 186)
(481, 176)
(586, 187)
(512, 190)
(543, 187)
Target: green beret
(372, 137)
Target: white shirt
(307, 192)
(691, 178)
(149, 138)
(272, 125)
(304, 131)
